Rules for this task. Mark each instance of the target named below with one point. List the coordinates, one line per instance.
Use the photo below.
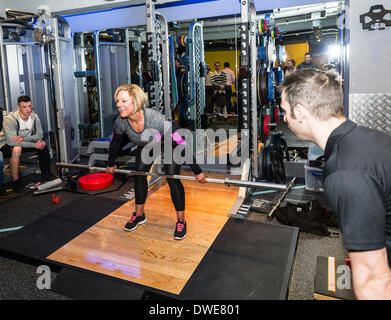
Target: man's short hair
(308, 54)
(317, 90)
(226, 64)
(23, 99)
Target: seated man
(2, 189)
(22, 132)
(3, 192)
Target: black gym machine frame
(268, 163)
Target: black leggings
(141, 184)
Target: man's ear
(300, 112)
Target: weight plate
(260, 162)
(263, 86)
(259, 86)
(277, 114)
(281, 175)
(270, 85)
(267, 165)
(266, 127)
(96, 181)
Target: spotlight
(334, 52)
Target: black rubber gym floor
(20, 277)
(248, 260)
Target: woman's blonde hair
(139, 97)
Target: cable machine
(108, 57)
(24, 68)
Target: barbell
(227, 181)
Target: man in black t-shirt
(356, 177)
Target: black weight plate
(264, 88)
(260, 162)
(264, 171)
(268, 164)
(280, 172)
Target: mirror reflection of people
(356, 175)
(329, 67)
(228, 85)
(135, 122)
(307, 63)
(137, 77)
(290, 67)
(219, 79)
(208, 90)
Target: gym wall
(296, 51)
(369, 70)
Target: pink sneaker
(180, 230)
(134, 221)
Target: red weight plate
(96, 181)
(266, 127)
(277, 114)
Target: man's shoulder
(12, 116)
(34, 116)
(349, 153)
